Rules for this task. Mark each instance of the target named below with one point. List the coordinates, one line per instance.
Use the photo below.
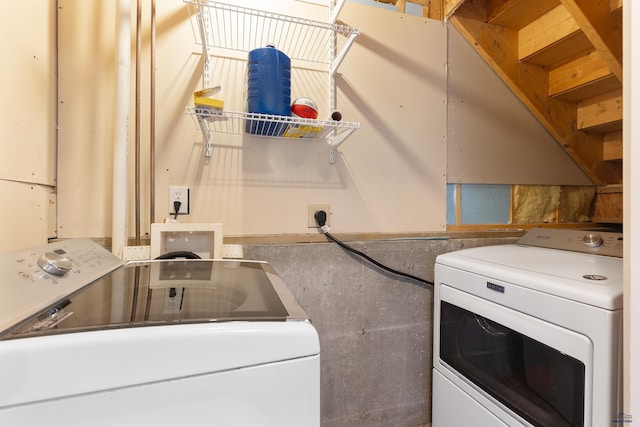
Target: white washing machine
(88, 341)
(530, 334)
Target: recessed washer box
(203, 239)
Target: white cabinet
(236, 28)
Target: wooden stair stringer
(498, 46)
(602, 28)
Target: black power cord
(321, 219)
(176, 208)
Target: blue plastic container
(269, 89)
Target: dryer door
(535, 369)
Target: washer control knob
(54, 263)
(592, 240)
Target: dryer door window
(543, 385)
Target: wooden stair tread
(583, 77)
(552, 38)
(612, 146)
(602, 113)
(515, 14)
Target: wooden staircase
(563, 59)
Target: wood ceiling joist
(450, 6)
(433, 10)
(602, 28)
(499, 48)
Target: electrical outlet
(311, 211)
(173, 300)
(179, 194)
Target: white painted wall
(631, 204)
(388, 177)
(27, 124)
(86, 37)
(492, 138)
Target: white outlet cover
(181, 194)
(203, 239)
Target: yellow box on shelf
(302, 131)
(202, 99)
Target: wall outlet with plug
(181, 195)
(311, 212)
(173, 300)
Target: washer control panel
(36, 278)
(55, 263)
(590, 242)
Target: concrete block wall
(375, 328)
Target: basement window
(479, 206)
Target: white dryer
(530, 334)
(88, 341)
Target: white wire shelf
(267, 125)
(230, 27)
(222, 25)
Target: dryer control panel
(37, 278)
(589, 242)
